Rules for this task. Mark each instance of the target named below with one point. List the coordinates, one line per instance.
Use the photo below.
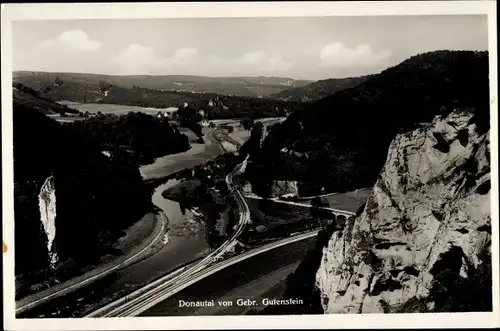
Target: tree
(238, 248)
(58, 81)
(247, 123)
(317, 210)
(221, 186)
(47, 89)
(104, 86)
(186, 174)
(262, 188)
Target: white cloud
(72, 40)
(136, 55)
(185, 54)
(137, 59)
(338, 55)
(140, 59)
(277, 63)
(256, 57)
(259, 60)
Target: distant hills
(174, 90)
(340, 142)
(240, 86)
(36, 89)
(28, 97)
(319, 90)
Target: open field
(67, 118)
(240, 135)
(282, 218)
(109, 108)
(271, 214)
(349, 201)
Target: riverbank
(139, 242)
(197, 154)
(182, 242)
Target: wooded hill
(239, 86)
(319, 90)
(339, 143)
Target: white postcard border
(12, 12)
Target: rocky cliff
(422, 243)
(47, 205)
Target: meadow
(104, 108)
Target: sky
(301, 47)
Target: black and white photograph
(276, 166)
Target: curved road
(249, 279)
(153, 294)
(71, 300)
(71, 304)
(147, 296)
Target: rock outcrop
(422, 243)
(47, 205)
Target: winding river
(182, 225)
(184, 241)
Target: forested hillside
(340, 142)
(241, 86)
(319, 90)
(217, 106)
(96, 197)
(97, 185)
(135, 138)
(27, 96)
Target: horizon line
(171, 75)
(248, 76)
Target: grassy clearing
(94, 108)
(273, 215)
(240, 135)
(349, 201)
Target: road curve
(256, 277)
(301, 204)
(170, 284)
(95, 277)
(140, 300)
(152, 294)
(178, 286)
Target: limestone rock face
(422, 243)
(47, 205)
